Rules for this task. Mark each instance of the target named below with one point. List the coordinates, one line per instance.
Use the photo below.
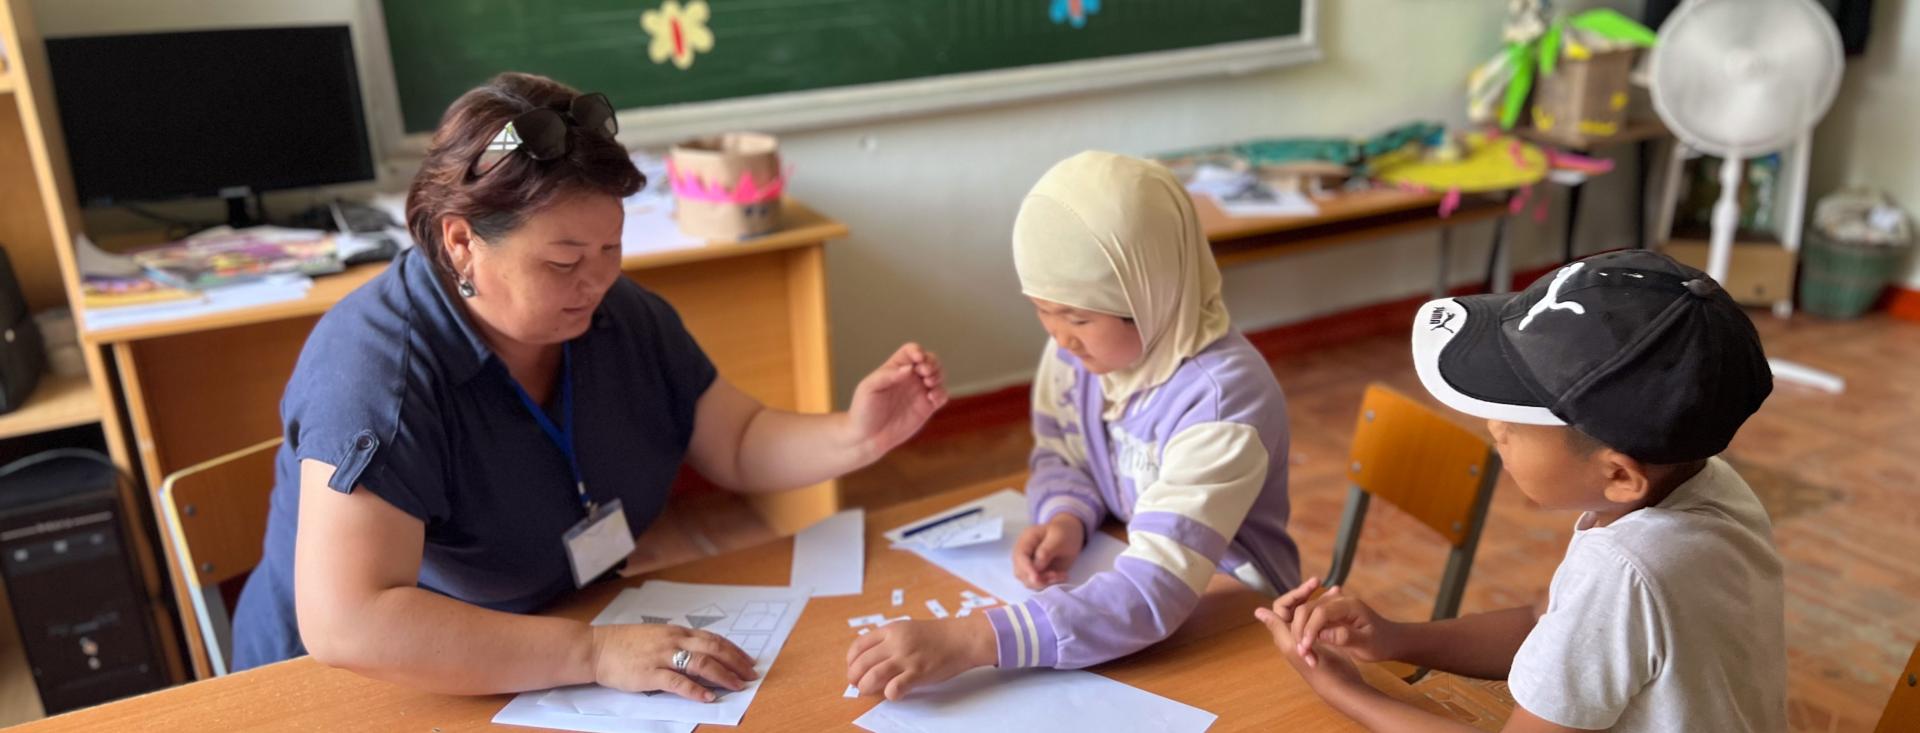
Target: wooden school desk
(199, 388)
(1221, 661)
(1352, 217)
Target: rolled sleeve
(353, 404)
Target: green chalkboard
(441, 48)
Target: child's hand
(903, 655)
(1334, 620)
(1043, 553)
(1331, 672)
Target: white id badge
(598, 542)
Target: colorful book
(99, 291)
(227, 257)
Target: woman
(466, 433)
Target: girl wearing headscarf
(1148, 408)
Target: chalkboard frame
(837, 106)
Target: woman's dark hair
(500, 201)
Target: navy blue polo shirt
(398, 391)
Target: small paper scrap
(938, 610)
(979, 602)
(864, 632)
(852, 691)
(965, 611)
(895, 619)
(899, 596)
(858, 621)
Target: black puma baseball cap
(1638, 351)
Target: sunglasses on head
(542, 133)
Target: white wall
(932, 204)
(1872, 136)
(931, 200)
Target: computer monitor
(227, 113)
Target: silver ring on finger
(681, 659)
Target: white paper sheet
(989, 566)
(1268, 204)
(526, 710)
(395, 207)
(757, 619)
(1033, 699)
(1243, 194)
(90, 259)
(649, 225)
(831, 556)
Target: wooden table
(1350, 217)
(1221, 661)
(198, 388)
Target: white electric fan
(1741, 79)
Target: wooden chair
(217, 519)
(1429, 467)
(1903, 709)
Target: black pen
(940, 521)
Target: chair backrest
(1903, 709)
(217, 521)
(1421, 462)
(1429, 467)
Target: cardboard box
(1584, 98)
(1760, 273)
(727, 187)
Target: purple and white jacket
(1196, 467)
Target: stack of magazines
(227, 256)
(219, 269)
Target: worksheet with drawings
(756, 619)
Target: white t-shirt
(1670, 619)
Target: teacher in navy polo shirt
(486, 425)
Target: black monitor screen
(168, 115)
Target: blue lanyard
(561, 435)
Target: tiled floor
(1835, 471)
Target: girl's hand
(1044, 553)
(904, 655)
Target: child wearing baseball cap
(1610, 387)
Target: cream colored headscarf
(1118, 235)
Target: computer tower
(75, 593)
